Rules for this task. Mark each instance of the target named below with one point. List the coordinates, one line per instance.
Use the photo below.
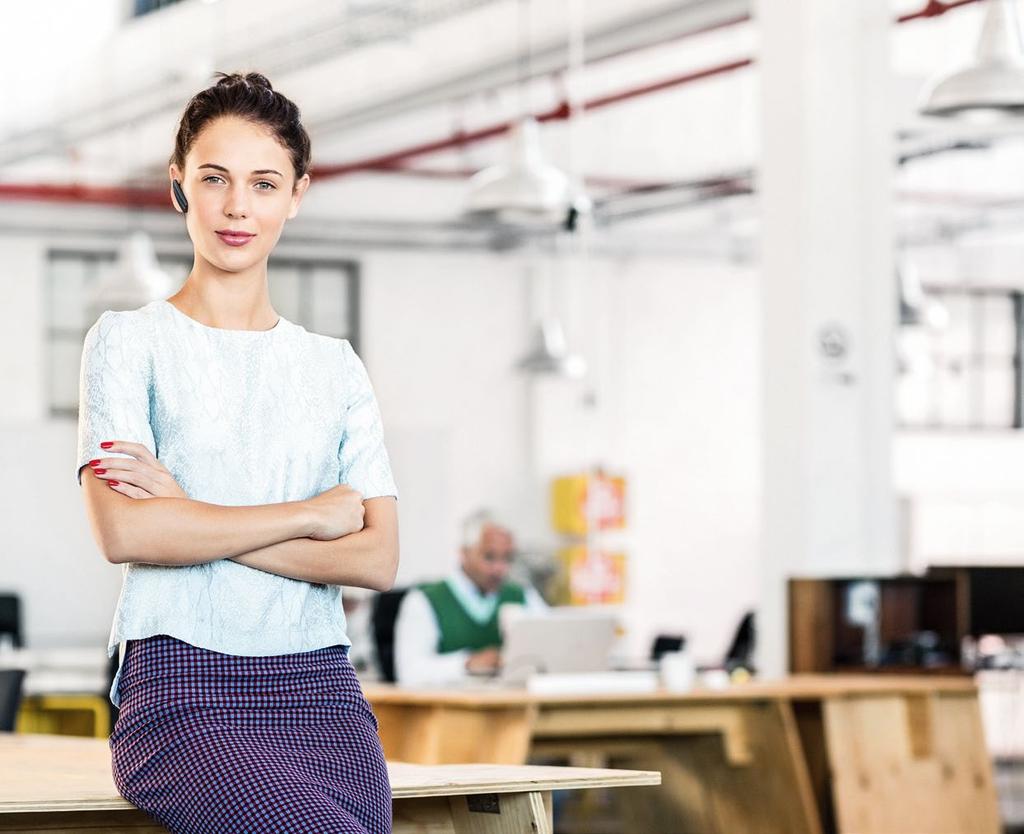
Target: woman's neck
(231, 300)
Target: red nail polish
(94, 462)
(113, 483)
(107, 445)
(99, 471)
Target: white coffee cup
(677, 671)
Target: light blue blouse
(239, 418)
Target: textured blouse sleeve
(113, 390)
(363, 461)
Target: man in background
(449, 629)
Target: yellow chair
(64, 714)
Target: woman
(239, 709)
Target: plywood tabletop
(65, 773)
(410, 780)
(793, 687)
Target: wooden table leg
(509, 813)
(514, 813)
(909, 763)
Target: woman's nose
(237, 204)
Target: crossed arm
(365, 559)
(270, 537)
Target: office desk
(65, 783)
(804, 755)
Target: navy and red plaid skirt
(229, 744)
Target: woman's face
(238, 178)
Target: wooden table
(65, 783)
(804, 755)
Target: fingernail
(99, 471)
(94, 462)
(107, 444)
(113, 483)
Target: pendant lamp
(135, 280)
(993, 86)
(549, 354)
(525, 187)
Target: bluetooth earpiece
(179, 196)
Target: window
(322, 296)
(966, 373)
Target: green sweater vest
(458, 629)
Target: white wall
(964, 497)
(678, 415)
(691, 418)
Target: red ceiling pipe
(934, 8)
(560, 111)
(97, 195)
(149, 197)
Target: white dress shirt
(417, 633)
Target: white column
(827, 299)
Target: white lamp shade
(525, 186)
(993, 85)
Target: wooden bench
(62, 783)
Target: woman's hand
(336, 513)
(140, 476)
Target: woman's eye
(270, 185)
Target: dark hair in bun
(250, 96)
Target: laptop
(559, 640)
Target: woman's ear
(297, 193)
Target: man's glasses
(507, 556)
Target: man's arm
(181, 531)
(417, 661)
(365, 559)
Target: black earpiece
(179, 196)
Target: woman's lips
(235, 240)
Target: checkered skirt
(228, 744)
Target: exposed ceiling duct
(993, 86)
(312, 44)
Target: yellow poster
(584, 503)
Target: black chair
(10, 697)
(741, 651)
(112, 665)
(665, 643)
(382, 624)
(10, 618)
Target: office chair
(10, 618)
(112, 665)
(665, 643)
(382, 624)
(741, 650)
(10, 697)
